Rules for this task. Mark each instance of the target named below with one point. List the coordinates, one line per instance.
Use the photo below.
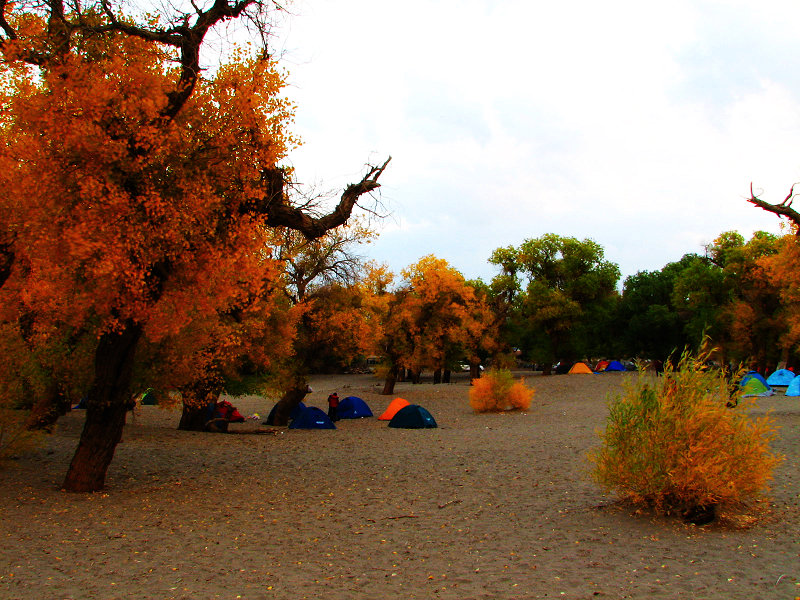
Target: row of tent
(601, 367)
(754, 384)
(400, 413)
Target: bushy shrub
(498, 391)
(677, 443)
(15, 437)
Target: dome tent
(413, 416)
(353, 407)
(780, 377)
(394, 406)
(312, 418)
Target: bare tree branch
(280, 214)
(784, 209)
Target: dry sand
(485, 506)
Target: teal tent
(412, 416)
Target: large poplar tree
(135, 191)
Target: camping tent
(601, 366)
(580, 367)
(794, 387)
(392, 409)
(353, 407)
(756, 387)
(295, 412)
(615, 365)
(312, 417)
(753, 375)
(780, 377)
(412, 416)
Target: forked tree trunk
(288, 402)
(106, 407)
(391, 379)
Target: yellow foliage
(497, 391)
(673, 442)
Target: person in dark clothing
(333, 406)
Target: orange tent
(580, 367)
(395, 406)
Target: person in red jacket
(333, 406)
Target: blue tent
(615, 365)
(353, 407)
(780, 377)
(312, 418)
(412, 416)
(295, 412)
(754, 375)
(794, 387)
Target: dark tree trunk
(391, 378)
(196, 400)
(446, 376)
(437, 376)
(416, 375)
(48, 408)
(288, 402)
(474, 371)
(106, 407)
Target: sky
(639, 125)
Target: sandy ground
(484, 507)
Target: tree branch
(280, 214)
(784, 209)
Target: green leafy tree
(562, 286)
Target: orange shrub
(677, 443)
(497, 391)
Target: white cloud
(638, 125)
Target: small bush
(677, 443)
(497, 391)
(15, 437)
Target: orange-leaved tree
(136, 191)
(433, 321)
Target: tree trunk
(416, 376)
(474, 370)
(48, 408)
(288, 402)
(196, 400)
(446, 376)
(391, 378)
(437, 376)
(106, 407)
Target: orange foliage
(497, 391)
(435, 319)
(119, 215)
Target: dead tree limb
(784, 209)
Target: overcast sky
(637, 124)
